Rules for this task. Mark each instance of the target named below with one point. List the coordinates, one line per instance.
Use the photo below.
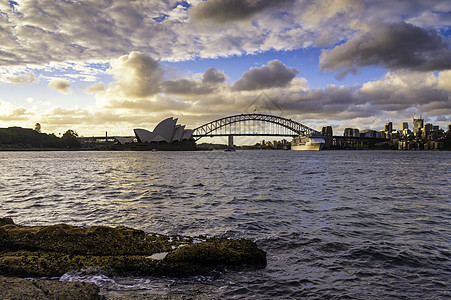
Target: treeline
(18, 137)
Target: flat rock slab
(41, 289)
(51, 251)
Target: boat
(312, 142)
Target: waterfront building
(167, 135)
(166, 131)
(351, 132)
(347, 132)
(327, 131)
(368, 133)
(383, 135)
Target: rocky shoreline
(51, 251)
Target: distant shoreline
(244, 149)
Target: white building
(166, 131)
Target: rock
(51, 251)
(5, 221)
(220, 251)
(19, 288)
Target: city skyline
(97, 66)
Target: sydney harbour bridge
(252, 125)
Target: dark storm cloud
(274, 74)
(394, 46)
(222, 11)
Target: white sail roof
(167, 130)
(178, 133)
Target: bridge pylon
(230, 141)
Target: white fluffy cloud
(20, 79)
(136, 75)
(12, 113)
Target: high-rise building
(404, 126)
(388, 127)
(417, 125)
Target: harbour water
(334, 224)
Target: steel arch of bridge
(211, 128)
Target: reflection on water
(360, 224)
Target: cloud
(141, 96)
(60, 85)
(11, 113)
(403, 90)
(398, 93)
(137, 75)
(432, 19)
(211, 80)
(444, 81)
(274, 74)
(98, 87)
(40, 32)
(21, 79)
(394, 46)
(140, 77)
(186, 87)
(158, 104)
(214, 76)
(222, 11)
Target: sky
(112, 65)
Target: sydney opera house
(167, 135)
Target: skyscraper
(388, 127)
(417, 125)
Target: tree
(69, 139)
(37, 128)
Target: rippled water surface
(335, 224)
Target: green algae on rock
(49, 251)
